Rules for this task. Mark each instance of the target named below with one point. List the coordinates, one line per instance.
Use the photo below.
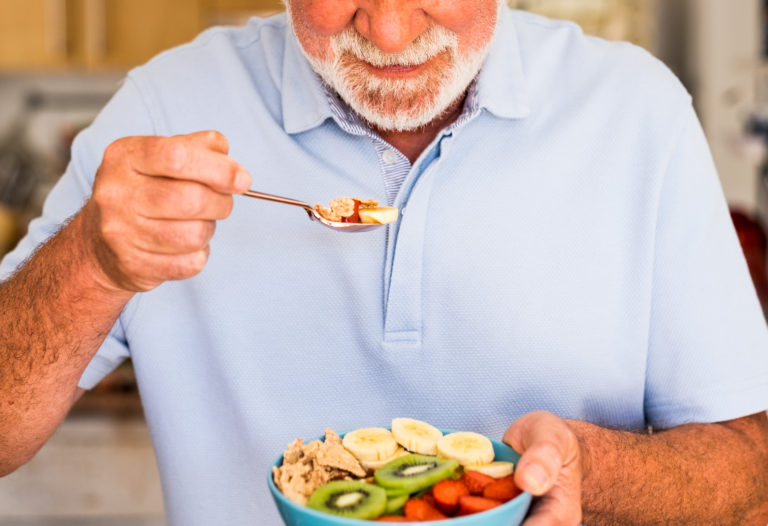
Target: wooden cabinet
(107, 34)
(33, 33)
(123, 33)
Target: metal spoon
(313, 214)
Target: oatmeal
(306, 467)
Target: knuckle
(199, 236)
(174, 155)
(114, 151)
(217, 139)
(196, 262)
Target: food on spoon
(414, 472)
(416, 436)
(353, 210)
(467, 447)
(370, 443)
(381, 215)
(349, 498)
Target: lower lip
(396, 71)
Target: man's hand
(691, 474)
(155, 204)
(550, 468)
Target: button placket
(403, 313)
(389, 157)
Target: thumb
(546, 444)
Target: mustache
(433, 41)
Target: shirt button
(389, 157)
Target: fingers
(155, 202)
(174, 237)
(547, 445)
(200, 157)
(549, 468)
(164, 198)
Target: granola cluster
(306, 467)
(344, 207)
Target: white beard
(399, 104)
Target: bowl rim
(524, 499)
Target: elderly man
(563, 274)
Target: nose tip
(390, 30)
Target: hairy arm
(150, 218)
(54, 314)
(692, 474)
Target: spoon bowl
(313, 214)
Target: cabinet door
(33, 34)
(245, 5)
(126, 33)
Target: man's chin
(400, 118)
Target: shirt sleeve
(126, 114)
(708, 343)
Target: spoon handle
(277, 199)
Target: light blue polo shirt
(565, 246)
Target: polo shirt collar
(501, 86)
(304, 100)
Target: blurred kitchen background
(61, 60)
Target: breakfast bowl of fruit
(409, 472)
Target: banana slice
(467, 447)
(373, 465)
(370, 443)
(497, 469)
(380, 215)
(416, 436)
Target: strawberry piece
(502, 489)
(420, 510)
(392, 518)
(470, 504)
(447, 493)
(476, 481)
(355, 217)
(429, 498)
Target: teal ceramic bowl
(510, 513)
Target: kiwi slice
(414, 472)
(349, 498)
(395, 504)
(395, 492)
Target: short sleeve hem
(111, 354)
(712, 406)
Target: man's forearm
(54, 314)
(692, 474)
